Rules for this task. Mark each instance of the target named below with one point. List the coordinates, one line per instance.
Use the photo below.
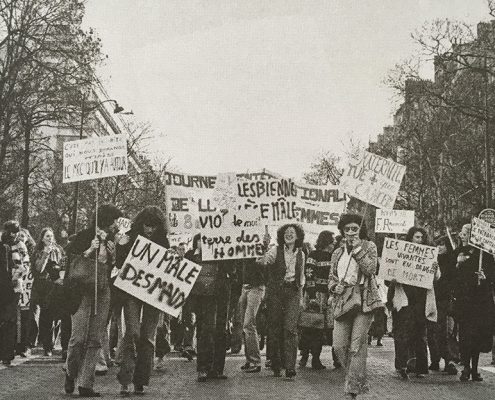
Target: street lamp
(118, 109)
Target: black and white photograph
(258, 199)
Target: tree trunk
(25, 176)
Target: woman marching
(474, 307)
(412, 307)
(140, 333)
(47, 262)
(285, 281)
(316, 291)
(209, 298)
(353, 284)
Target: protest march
(309, 247)
(274, 205)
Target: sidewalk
(42, 378)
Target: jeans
(283, 315)
(212, 316)
(138, 342)
(87, 337)
(350, 341)
(249, 304)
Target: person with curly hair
(48, 260)
(140, 334)
(352, 270)
(285, 282)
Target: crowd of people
(292, 299)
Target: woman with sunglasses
(352, 268)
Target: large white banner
(482, 235)
(372, 179)
(94, 158)
(408, 263)
(319, 208)
(157, 276)
(393, 221)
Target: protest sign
(124, 224)
(372, 179)
(225, 193)
(393, 221)
(408, 263)
(488, 215)
(94, 158)
(157, 276)
(237, 234)
(319, 208)
(482, 235)
(187, 197)
(27, 284)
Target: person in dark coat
(8, 298)
(474, 306)
(440, 334)
(210, 298)
(317, 270)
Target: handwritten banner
(393, 221)
(94, 158)
(157, 276)
(319, 207)
(408, 263)
(482, 235)
(235, 235)
(372, 179)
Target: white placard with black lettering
(393, 221)
(94, 158)
(157, 276)
(408, 263)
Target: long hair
(299, 235)
(413, 230)
(195, 241)
(40, 245)
(325, 239)
(444, 240)
(30, 242)
(151, 216)
(353, 219)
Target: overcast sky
(238, 85)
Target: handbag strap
(349, 264)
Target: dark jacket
(444, 287)
(474, 302)
(214, 275)
(253, 274)
(7, 294)
(317, 271)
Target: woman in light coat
(353, 267)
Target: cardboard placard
(373, 179)
(393, 221)
(94, 158)
(157, 276)
(482, 235)
(408, 263)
